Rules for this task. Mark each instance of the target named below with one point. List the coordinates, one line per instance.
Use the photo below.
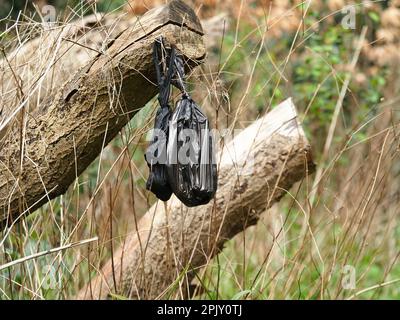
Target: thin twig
(46, 252)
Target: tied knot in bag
(190, 170)
(156, 153)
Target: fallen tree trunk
(49, 59)
(44, 150)
(255, 170)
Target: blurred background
(259, 53)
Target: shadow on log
(255, 170)
(44, 150)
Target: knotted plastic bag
(191, 166)
(156, 153)
(181, 152)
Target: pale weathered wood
(256, 169)
(43, 150)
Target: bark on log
(44, 150)
(256, 169)
(35, 69)
(60, 50)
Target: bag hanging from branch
(156, 153)
(191, 166)
(181, 155)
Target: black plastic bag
(181, 152)
(156, 153)
(192, 170)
